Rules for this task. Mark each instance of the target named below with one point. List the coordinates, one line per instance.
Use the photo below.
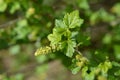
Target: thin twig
(78, 52)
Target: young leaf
(83, 4)
(117, 51)
(3, 5)
(15, 6)
(54, 38)
(60, 24)
(70, 48)
(117, 73)
(116, 64)
(116, 9)
(72, 20)
(76, 70)
(84, 71)
(59, 31)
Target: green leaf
(105, 66)
(84, 71)
(115, 64)
(72, 20)
(3, 5)
(70, 48)
(60, 27)
(59, 31)
(117, 51)
(54, 38)
(83, 4)
(117, 73)
(14, 49)
(116, 9)
(22, 22)
(22, 30)
(94, 18)
(105, 16)
(74, 34)
(107, 39)
(14, 7)
(101, 15)
(18, 76)
(108, 64)
(60, 24)
(76, 70)
(90, 76)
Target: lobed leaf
(72, 20)
(70, 48)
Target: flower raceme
(46, 50)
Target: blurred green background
(25, 24)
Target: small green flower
(46, 50)
(43, 50)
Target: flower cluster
(46, 50)
(80, 60)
